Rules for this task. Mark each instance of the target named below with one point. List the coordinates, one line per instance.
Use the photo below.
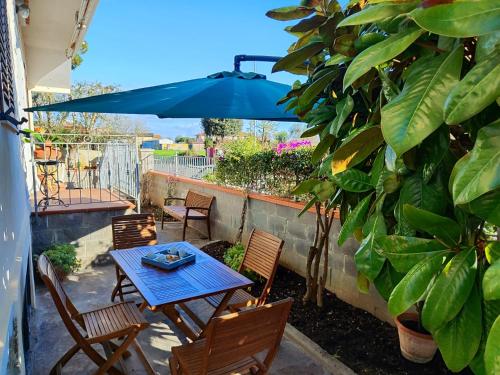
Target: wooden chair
(262, 256)
(232, 342)
(121, 321)
(196, 206)
(130, 231)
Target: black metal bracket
(6, 116)
(239, 58)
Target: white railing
(195, 167)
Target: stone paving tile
(91, 287)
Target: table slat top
(204, 277)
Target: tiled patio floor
(90, 288)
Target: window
(6, 77)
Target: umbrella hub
(236, 74)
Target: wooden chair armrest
(234, 307)
(166, 199)
(196, 208)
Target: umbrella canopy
(221, 95)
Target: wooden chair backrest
(194, 199)
(64, 306)
(262, 256)
(133, 230)
(233, 337)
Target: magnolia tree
(404, 97)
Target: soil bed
(354, 336)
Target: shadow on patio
(92, 287)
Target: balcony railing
(73, 169)
(195, 167)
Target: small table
(163, 290)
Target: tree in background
(264, 130)
(183, 139)
(77, 59)
(296, 130)
(87, 123)
(281, 136)
(220, 128)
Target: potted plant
(403, 97)
(416, 344)
(44, 148)
(63, 258)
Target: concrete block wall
(279, 217)
(89, 231)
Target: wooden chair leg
(64, 359)
(98, 359)
(117, 353)
(118, 290)
(174, 365)
(184, 229)
(162, 218)
(208, 229)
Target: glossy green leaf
(450, 291)
(460, 19)
(310, 94)
(324, 190)
(367, 260)
(344, 44)
(362, 283)
(343, 108)
(379, 53)
(377, 167)
(441, 227)
(491, 282)
(367, 40)
(378, 12)
(337, 59)
(298, 56)
(479, 174)
(353, 180)
(289, 13)
(486, 44)
(459, 339)
(322, 148)
(311, 132)
(478, 89)
(387, 280)
(308, 206)
(419, 194)
(354, 150)
(354, 220)
(492, 350)
(487, 207)
(418, 110)
(305, 186)
(414, 284)
(492, 251)
(307, 24)
(405, 252)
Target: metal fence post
(176, 167)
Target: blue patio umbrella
(221, 95)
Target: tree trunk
(239, 236)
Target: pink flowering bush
(292, 145)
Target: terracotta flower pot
(415, 346)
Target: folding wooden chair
(130, 231)
(262, 257)
(233, 341)
(121, 321)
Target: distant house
(164, 142)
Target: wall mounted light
(23, 10)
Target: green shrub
(264, 170)
(63, 257)
(233, 258)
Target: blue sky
(136, 44)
